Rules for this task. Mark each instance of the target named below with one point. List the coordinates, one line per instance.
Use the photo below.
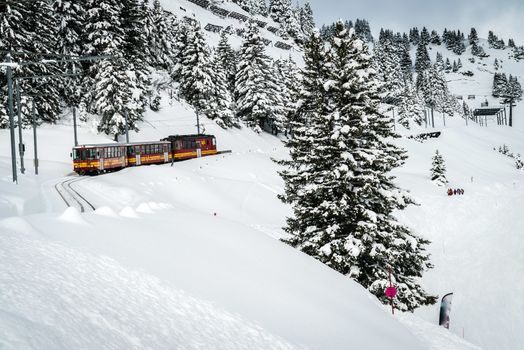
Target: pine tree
(344, 215)
(410, 107)
(435, 38)
(414, 36)
(13, 36)
(514, 89)
(159, 29)
(422, 60)
(220, 102)
(113, 96)
(307, 22)
(196, 82)
(387, 62)
(278, 10)
(500, 85)
(448, 67)
(406, 64)
(473, 37)
(42, 24)
(227, 57)
(70, 16)
(254, 88)
(424, 36)
(438, 170)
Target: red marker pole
(391, 292)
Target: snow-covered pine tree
(500, 85)
(422, 60)
(307, 22)
(414, 36)
(196, 82)
(135, 43)
(424, 36)
(114, 97)
(406, 64)
(438, 170)
(42, 24)
(70, 16)
(411, 106)
(220, 103)
(228, 59)
(448, 67)
(514, 89)
(473, 37)
(440, 66)
(112, 85)
(254, 87)
(160, 38)
(387, 62)
(311, 127)
(180, 41)
(363, 30)
(279, 9)
(13, 36)
(349, 196)
(435, 38)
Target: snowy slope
(184, 8)
(155, 267)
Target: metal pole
(444, 119)
(198, 122)
(20, 141)
(11, 116)
(511, 112)
(394, 123)
(432, 118)
(127, 127)
(74, 113)
(34, 137)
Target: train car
(192, 146)
(143, 153)
(96, 159)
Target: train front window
(76, 154)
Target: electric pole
(11, 116)
(21, 146)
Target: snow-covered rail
(72, 197)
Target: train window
(214, 141)
(76, 154)
(92, 153)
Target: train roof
(187, 136)
(121, 144)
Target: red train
(97, 159)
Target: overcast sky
(504, 17)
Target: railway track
(72, 197)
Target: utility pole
(444, 118)
(74, 112)
(33, 112)
(21, 146)
(198, 122)
(432, 118)
(11, 116)
(127, 126)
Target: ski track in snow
(52, 297)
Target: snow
(192, 260)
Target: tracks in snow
(72, 197)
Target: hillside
(189, 256)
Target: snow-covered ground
(179, 257)
(188, 257)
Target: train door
(166, 153)
(103, 155)
(199, 148)
(138, 155)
